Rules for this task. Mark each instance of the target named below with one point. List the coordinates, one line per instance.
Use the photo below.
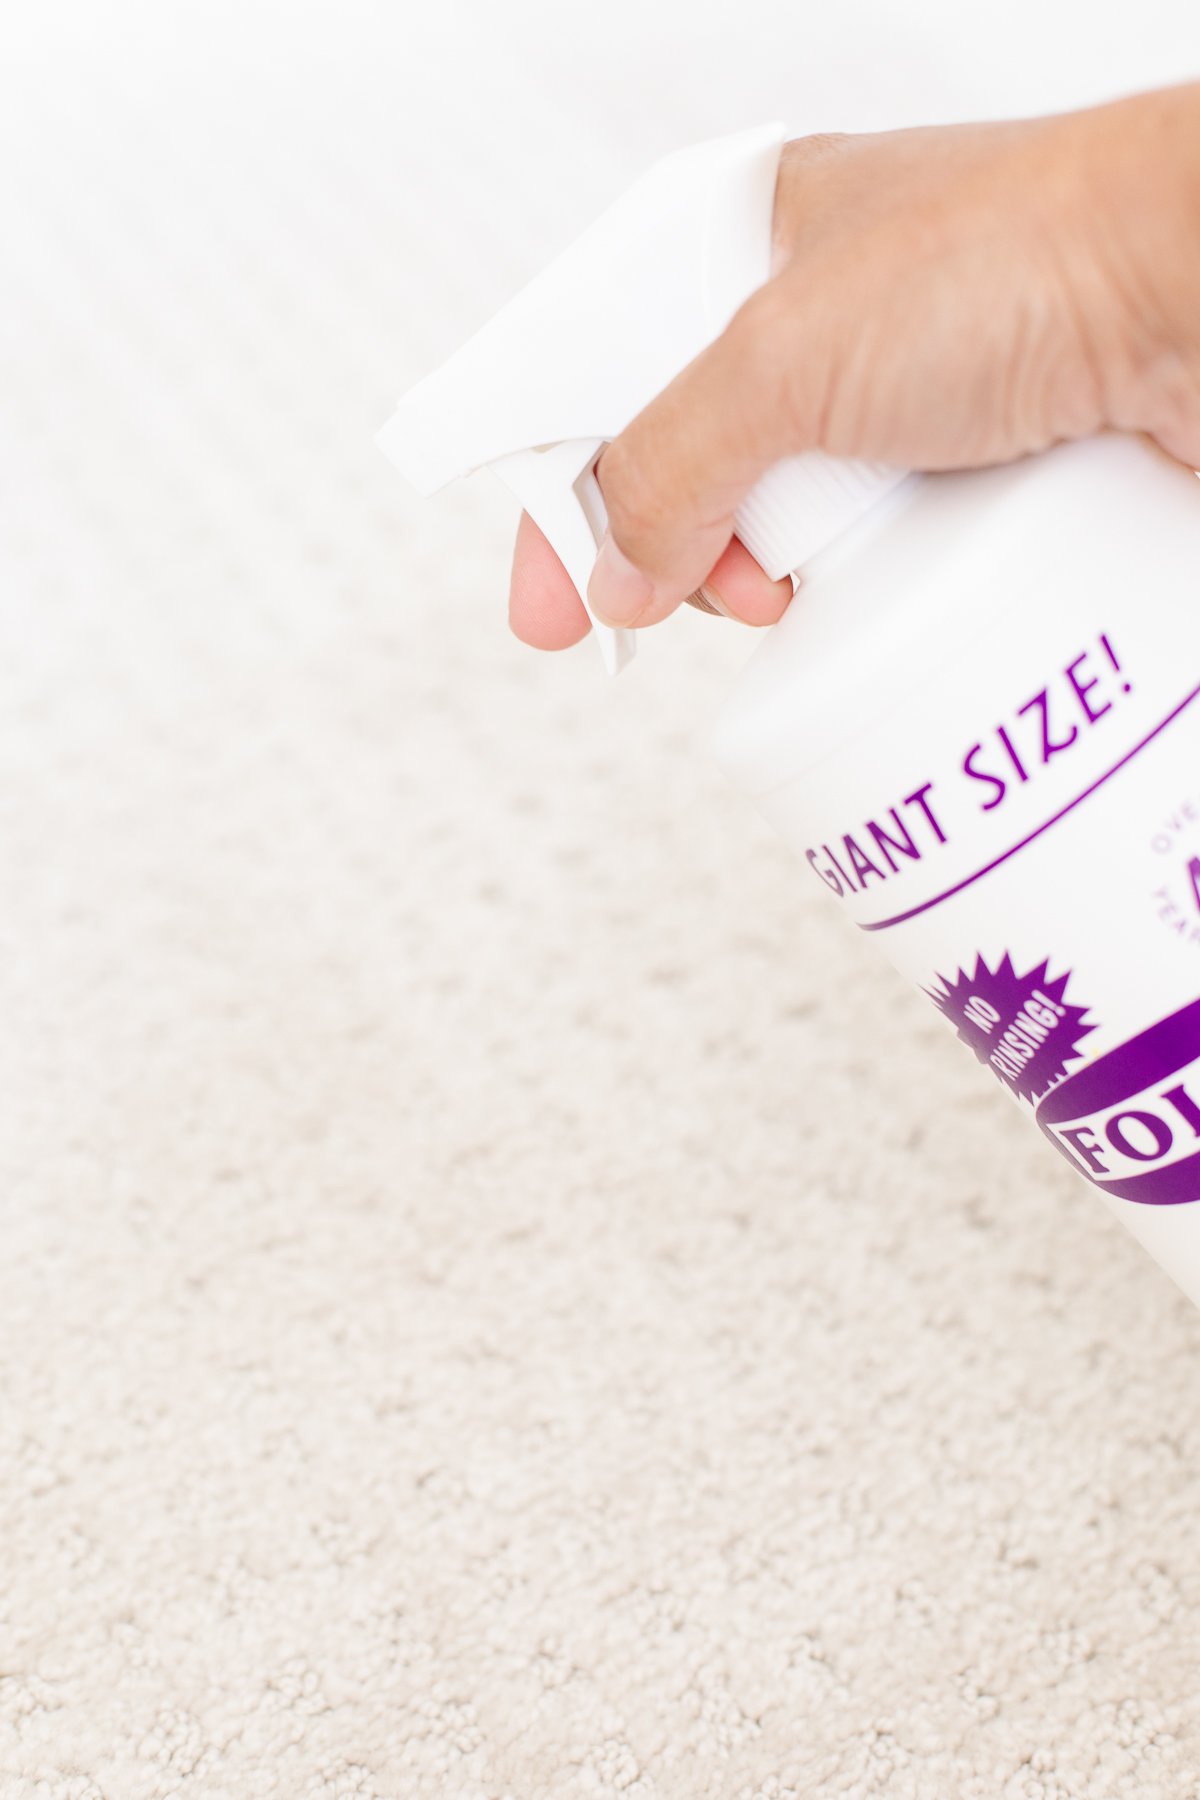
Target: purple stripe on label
(1173, 1186)
(969, 880)
(1133, 1103)
(1150, 1058)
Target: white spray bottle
(979, 723)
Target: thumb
(676, 475)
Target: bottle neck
(850, 541)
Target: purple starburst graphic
(1022, 1026)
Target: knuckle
(819, 146)
(773, 349)
(804, 166)
(764, 321)
(630, 494)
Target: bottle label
(1130, 1121)
(1021, 831)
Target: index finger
(543, 608)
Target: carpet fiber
(504, 1295)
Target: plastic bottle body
(979, 724)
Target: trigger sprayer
(978, 723)
(588, 343)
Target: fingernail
(618, 593)
(715, 601)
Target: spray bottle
(979, 722)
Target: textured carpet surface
(503, 1296)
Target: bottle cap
(539, 391)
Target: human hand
(940, 298)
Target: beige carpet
(503, 1296)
